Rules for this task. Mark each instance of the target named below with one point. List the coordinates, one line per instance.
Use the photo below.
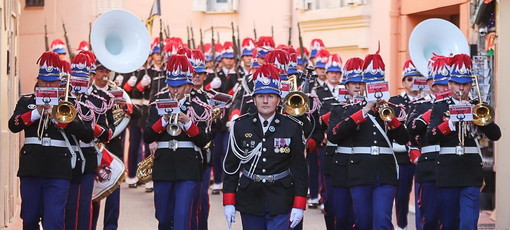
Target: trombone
(296, 103)
(483, 113)
(64, 112)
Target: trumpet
(483, 113)
(386, 113)
(64, 112)
(296, 103)
(173, 128)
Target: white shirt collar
(269, 120)
(332, 88)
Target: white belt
(45, 141)
(343, 150)
(430, 149)
(330, 144)
(140, 101)
(174, 145)
(459, 150)
(372, 150)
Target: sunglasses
(409, 79)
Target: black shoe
(149, 190)
(132, 185)
(216, 191)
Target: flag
(155, 11)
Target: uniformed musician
(342, 201)
(422, 152)
(266, 174)
(177, 169)
(459, 163)
(406, 168)
(47, 158)
(372, 166)
(79, 206)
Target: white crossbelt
(45, 142)
(177, 144)
(459, 150)
(430, 149)
(86, 145)
(343, 150)
(140, 101)
(372, 150)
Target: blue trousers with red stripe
(111, 211)
(268, 222)
(428, 203)
(342, 205)
(404, 187)
(135, 144)
(220, 148)
(459, 208)
(173, 202)
(43, 198)
(373, 206)
(201, 203)
(313, 173)
(79, 204)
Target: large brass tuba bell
(295, 103)
(64, 112)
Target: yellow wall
(10, 12)
(502, 110)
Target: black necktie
(265, 123)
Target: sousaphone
(435, 36)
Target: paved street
(137, 212)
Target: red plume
(461, 61)
(355, 63)
(65, 66)
(178, 62)
(49, 58)
(267, 70)
(91, 55)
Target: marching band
(280, 129)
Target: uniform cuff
(358, 117)
(444, 128)
(299, 202)
(311, 144)
(325, 118)
(98, 130)
(394, 123)
(27, 117)
(414, 154)
(61, 125)
(229, 199)
(426, 116)
(127, 87)
(193, 130)
(158, 127)
(140, 87)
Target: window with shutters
(34, 3)
(106, 5)
(215, 6)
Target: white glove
(216, 83)
(119, 79)
(296, 215)
(132, 81)
(146, 80)
(230, 214)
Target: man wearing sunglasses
(406, 169)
